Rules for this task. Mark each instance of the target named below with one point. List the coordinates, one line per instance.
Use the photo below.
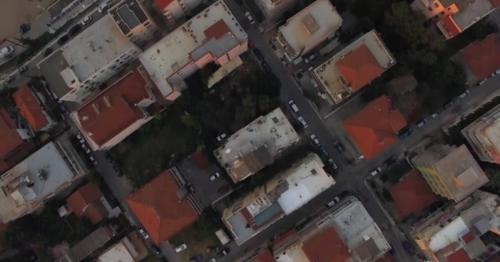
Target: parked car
(103, 6)
(75, 30)
(22, 69)
(47, 52)
(266, 67)
(315, 139)
(376, 171)
(156, 250)
(421, 123)
(333, 164)
(332, 202)
(293, 106)
(7, 51)
(180, 248)
(258, 54)
(339, 146)
(143, 233)
(221, 137)
(302, 121)
(24, 28)
(196, 258)
(249, 17)
(224, 251)
(86, 20)
(405, 132)
(63, 40)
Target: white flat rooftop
(312, 25)
(95, 47)
(304, 183)
(173, 52)
(272, 130)
(32, 180)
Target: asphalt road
(350, 178)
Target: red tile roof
(483, 57)
(264, 255)
(217, 30)
(162, 4)
(458, 256)
(469, 237)
(448, 24)
(326, 246)
(412, 194)
(86, 202)
(30, 108)
(495, 3)
(9, 137)
(375, 127)
(114, 110)
(159, 209)
(359, 67)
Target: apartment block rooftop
(40, 176)
(483, 136)
(308, 28)
(445, 233)
(95, 47)
(481, 58)
(253, 147)
(451, 172)
(354, 67)
(281, 196)
(212, 35)
(116, 112)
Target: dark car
(156, 250)
(405, 132)
(75, 29)
(197, 258)
(48, 51)
(266, 67)
(24, 28)
(339, 147)
(409, 248)
(258, 54)
(63, 40)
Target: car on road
(24, 28)
(258, 54)
(339, 146)
(143, 234)
(376, 171)
(405, 132)
(22, 69)
(221, 137)
(86, 20)
(266, 67)
(315, 139)
(434, 115)
(48, 51)
(224, 251)
(7, 51)
(332, 202)
(249, 17)
(421, 123)
(156, 250)
(293, 106)
(180, 248)
(103, 6)
(63, 40)
(333, 164)
(75, 30)
(302, 121)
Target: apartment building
(451, 172)
(453, 233)
(42, 175)
(354, 67)
(176, 10)
(30, 108)
(116, 112)
(212, 36)
(308, 29)
(452, 17)
(134, 22)
(93, 57)
(482, 135)
(256, 145)
(279, 197)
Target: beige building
(29, 184)
(134, 22)
(454, 16)
(176, 10)
(279, 197)
(274, 9)
(129, 249)
(354, 67)
(451, 172)
(94, 56)
(307, 29)
(453, 234)
(484, 136)
(347, 233)
(212, 36)
(256, 145)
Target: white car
(103, 6)
(7, 51)
(86, 20)
(375, 171)
(293, 106)
(315, 139)
(249, 17)
(302, 121)
(332, 202)
(181, 248)
(143, 234)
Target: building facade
(176, 10)
(483, 136)
(451, 172)
(134, 22)
(307, 29)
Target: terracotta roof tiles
(29, 108)
(359, 67)
(160, 210)
(85, 201)
(483, 57)
(326, 246)
(375, 127)
(162, 4)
